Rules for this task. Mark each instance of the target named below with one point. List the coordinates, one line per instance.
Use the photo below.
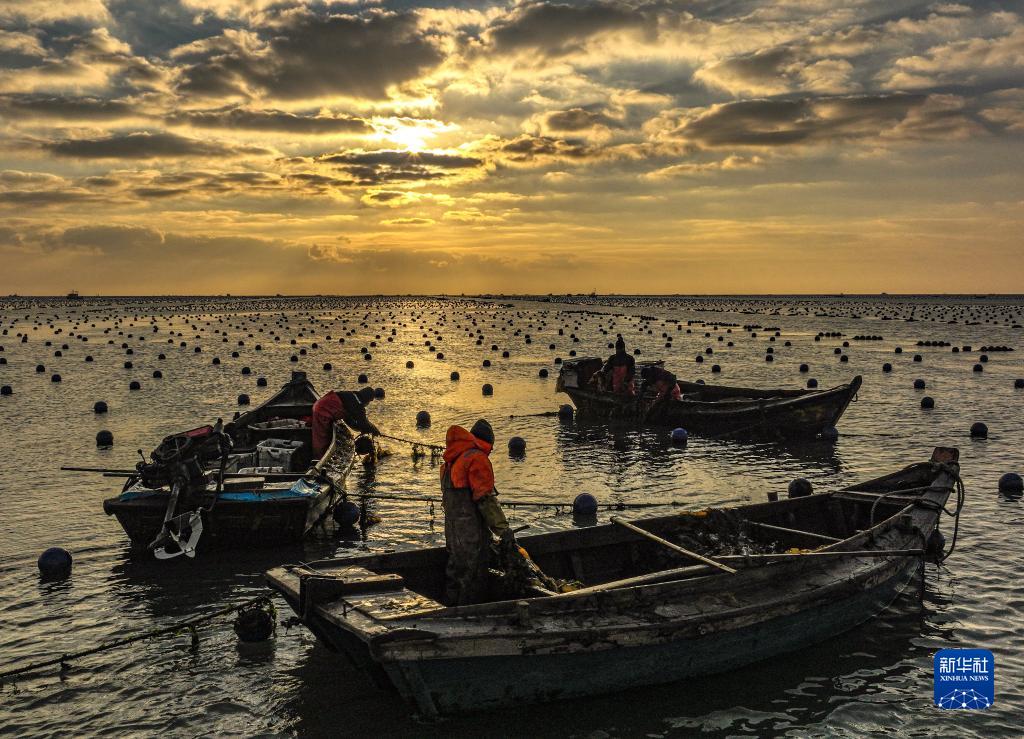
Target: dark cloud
(270, 120)
(143, 145)
(527, 148)
(577, 119)
(384, 166)
(311, 55)
(810, 120)
(42, 198)
(109, 239)
(65, 108)
(555, 29)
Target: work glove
(494, 517)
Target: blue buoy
(1011, 484)
(584, 504)
(423, 419)
(979, 430)
(517, 446)
(829, 433)
(346, 513)
(55, 564)
(799, 488)
(679, 436)
(565, 412)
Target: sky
(630, 146)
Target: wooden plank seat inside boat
(376, 595)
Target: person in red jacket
(472, 514)
(663, 382)
(340, 405)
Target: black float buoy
(565, 412)
(104, 438)
(1011, 484)
(99, 407)
(886, 367)
(454, 376)
(517, 446)
(423, 419)
(134, 385)
(487, 363)
(261, 382)
(927, 402)
(6, 390)
(55, 378)
(979, 368)
(812, 383)
(378, 393)
(805, 368)
(409, 364)
(363, 379)
(584, 504)
(54, 564)
(542, 372)
(919, 384)
(799, 488)
(254, 624)
(346, 514)
(40, 368)
(979, 430)
(246, 371)
(243, 399)
(364, 444)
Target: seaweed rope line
(431, 447)
(525, 503)
(189, 624)
(961, 496)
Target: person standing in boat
(620, 369)
(340, 405)
(472, 514)
(663, 382)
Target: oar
(674, 547)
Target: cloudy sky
(298, 146)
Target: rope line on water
(432, 447)
(190, 624)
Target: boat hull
(257, 520)
(790, 414)
(466, 685)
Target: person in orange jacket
(472, 514)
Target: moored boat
(783, 575)
(716, 410)
(250, 483)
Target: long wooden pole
(674, 547)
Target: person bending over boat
(621, 370)
(663, 382)
(340, 405)
(472, 514)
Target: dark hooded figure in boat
(472, 514)
(340, 405)
(662, 381)
(620, 370)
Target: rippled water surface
(874, 680)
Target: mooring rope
(190, 624)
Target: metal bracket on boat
(191, 527)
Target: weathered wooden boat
(716, 410)
(252, 483)
(805, 569)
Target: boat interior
(396, 583)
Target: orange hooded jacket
(470, 466)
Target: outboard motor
(180, 461)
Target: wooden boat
(715, 410)
(239, 502)
(645, 614)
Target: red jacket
(468, 458)
(333, 407)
